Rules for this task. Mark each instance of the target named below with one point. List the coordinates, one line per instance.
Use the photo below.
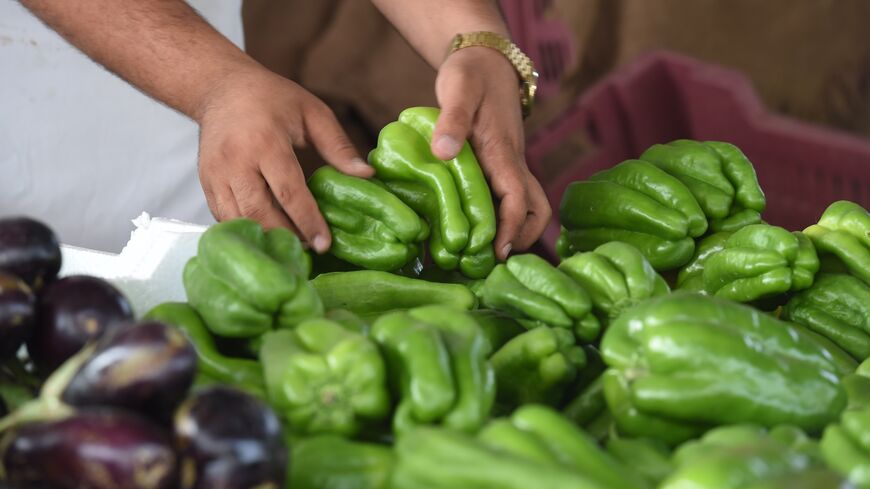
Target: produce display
(680, 343)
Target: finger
(326, 134)
(459, 100)
(254, 201)
(508, 182)
(221, 203)
(284, 177)
(538, 215)
(225, 205)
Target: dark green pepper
(474, 265)
(720, 177)
(688, 359)
(588, 404)
(636, 203)
(370, 293)
(498, 327)
(437, 361)
(470, 181)
(838, 307)
(453, 195)
(211, 363)
(322, 378)
(842, 237)
(536, 366)
(433, 458)
(649, 458)
(616, 276)
(371, 227)
(740, 456)
(244, 281)
(333, 462)
(754, 262)
(543, 434)
(529, 288)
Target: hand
(247, 167)
(477, 90)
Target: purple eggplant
(17, 313)
(147, 367)
(29, 250)
(71, 312)
(98, 449)
(228, 439)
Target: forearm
(163, 47)
(430, 25)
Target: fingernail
(506, 250)
(320, 243)
(359, 162)
(446, 145)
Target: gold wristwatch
(524, 66)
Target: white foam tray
(148, 269)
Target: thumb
(458, 107)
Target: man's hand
(477, 90)
(247, 166)
(250, 118)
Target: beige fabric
(807, 58)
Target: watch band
(520, 61)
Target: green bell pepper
(588, 404)
(742, 456)
(691, 276)
(498, 327)
(371, 227)
(846, 456)
(435, 458)
(322, 378)
(846, 446)
(842, 237)
(720, 177)
(474, 265)
(529, 288)
(244, 281)
(453, 195)
(616, 275)
(334, 462)
(754, 262)
(370, 293)
(211, 363)
(686, 360)
(545, 436)
(838, 307)
(637, 203)
(536, 366)
(437, 359)
(649, 458)
(470, 181)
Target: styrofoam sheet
(148, 270)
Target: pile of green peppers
(680, 342)
(659, 203)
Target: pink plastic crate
(663, 96)
(548, 42)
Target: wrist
(234, 77)
(500, 46)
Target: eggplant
(29, 250)
(147, 367)
(228, 439)
(92, 449)
(17, 314)
(71, 312)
